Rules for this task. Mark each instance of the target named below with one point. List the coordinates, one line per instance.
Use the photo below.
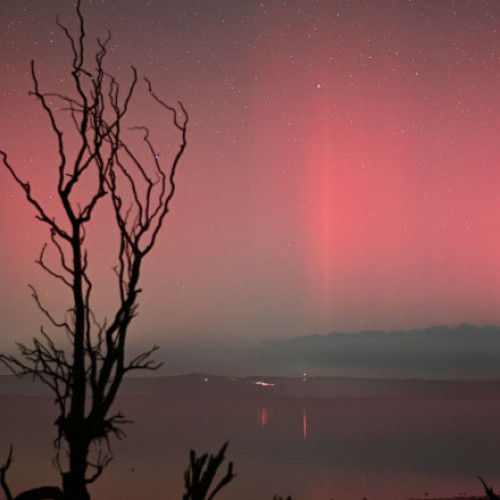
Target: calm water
(313, 449)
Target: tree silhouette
(97, 167)
(200, 475)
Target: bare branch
(144, 362)
(102, 463)
(62, 260)
(26, 187)
(45, 311)
(3, 474)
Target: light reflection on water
(313, 449)
(304, 423)
(264, 415)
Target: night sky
(342, 170)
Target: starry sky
(341, 171)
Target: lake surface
(342, 448)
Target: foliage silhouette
(490, 494)
(200, 475)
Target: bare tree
(85, 374)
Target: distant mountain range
(433, 362)
(464, 352)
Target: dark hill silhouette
(437, 352)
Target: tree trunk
(74, 484)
